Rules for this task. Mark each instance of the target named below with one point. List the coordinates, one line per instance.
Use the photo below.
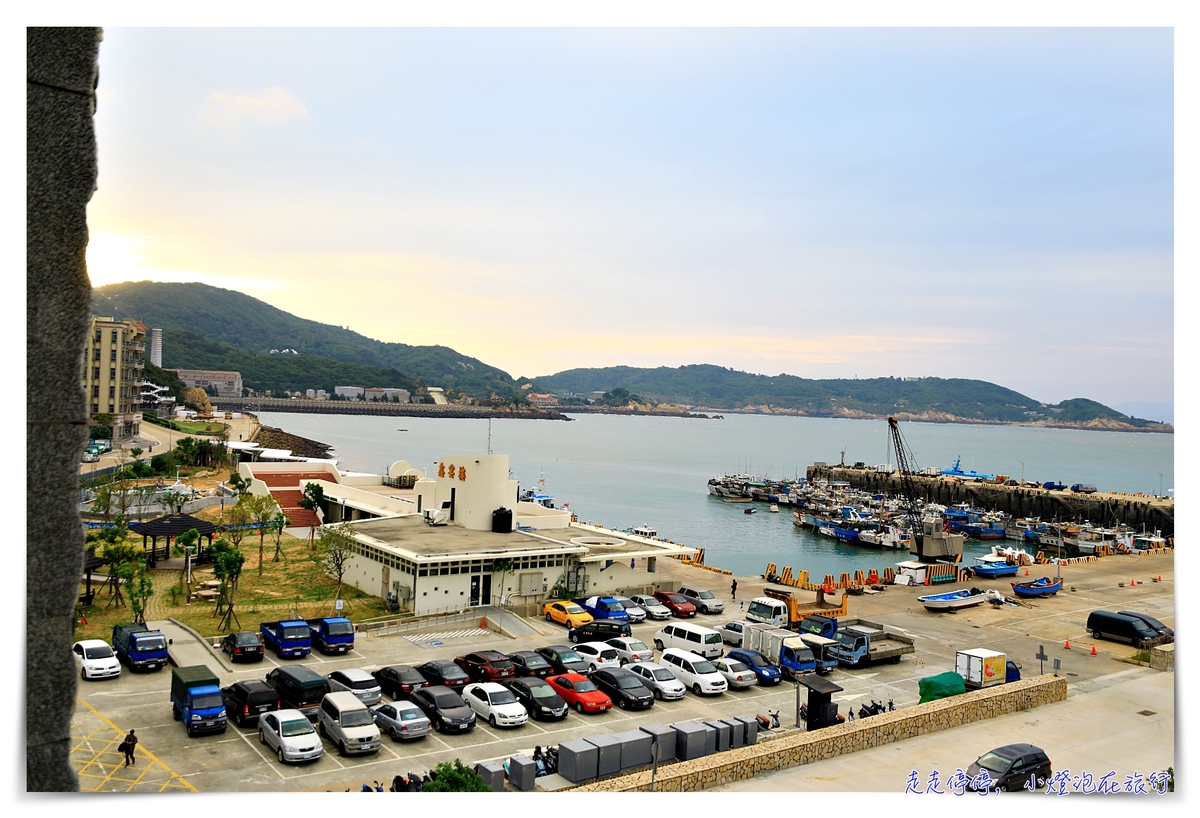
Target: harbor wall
(799, 748)
(342, 407)
(1063, 506)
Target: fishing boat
(953, 600)
(751, 510)
(846, 535)
(1042, 586)
(774, 508)
(991, 566)
(891, 538)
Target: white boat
(643, 531)
(891, 538)
(952, 600)
(774, 508)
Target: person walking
(127, 747)
(733, 589)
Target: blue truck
(197, 700)
(139, 647)
(333, 634)
(288, 637)
(861, 642)
(781, 647)
(603, 607)
(818, 625)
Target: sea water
(620, 471)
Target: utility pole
(1022, 472)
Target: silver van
(346, 721)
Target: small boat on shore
(952, 600)
(991, 566)
(1042, 586)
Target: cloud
(271, 106)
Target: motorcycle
(770, 721)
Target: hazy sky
(987, 203)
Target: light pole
(1022, 472)
(1160, 484)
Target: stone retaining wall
(803, 748)
(1163, 657)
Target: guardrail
(388, 627)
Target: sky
(992, 203)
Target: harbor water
(620, 471)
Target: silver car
(401, 720)
(357, 681)
(660, 680)
(634, 611)
(653, 608)
(291, 735)
(731, 633)
(737, 674)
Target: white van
(347, 722)
(696, 673)
(695, 638)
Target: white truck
(980, 667)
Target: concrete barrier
(803, 748)
(1163, 657)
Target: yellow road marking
(106, 780)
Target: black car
(599, 631)
(446, 709)
(1158, 627)
(625, 689)
(539, 698)
(398, 681)
(1012, 767)
(244, 701)
(530, 663)
(245, 645)
(563, 659)
(444, 672)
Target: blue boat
(846, 534)
(1042, 586)
(952, 600)
(956, 471)
(991, 567)
(984, 531)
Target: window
(96, 356)
(96, 393)
(112, 391)
(95, 407)
(112, 355)
(114, 336)
(112, 374)
(96, 372)
(98, 336)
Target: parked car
(444, 672)
(688, 636)
(1159, 628)
(95, 659)
(530, 663)
(599, 631)
(1012, 767)
(660, 680)
(246, 701)
(496, 703)
(291, 735)
(598, 655)
(706, 601)
(299, 688)
(399, 681)
(731, 633)
(1118, 627)
(402, 721)
(580, 692)
(677, 604)
(696, 672)
(653, 608)
(347, 722)
(244, 645)
(635, 612)
(563, 659)
(487, 666)
(736, 674)
(624, 688)
(91, 457)
(539, 698)
(357, 681)
(445, 709)
(630, 649)
(566, 613)
(767, 673)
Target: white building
(156, 346)
(348, 391)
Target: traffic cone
(483, 623)
(1067, 644)
(1132, 582)
(1160, 577)
(1093, 650)
(1026, 572)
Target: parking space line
(246, 738)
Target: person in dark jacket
(733, 589)
(129, 744)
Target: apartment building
(112, 373)
(228, 384)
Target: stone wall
(1163, 657)
(803, 748)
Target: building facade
(156, 346)
(112, 374)
(227, 384)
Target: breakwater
(1101, 508)
(421, 410)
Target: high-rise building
(156, 346)
(112, 374)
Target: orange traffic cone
(1067, 644)
(483, 623)
(1093, 650)
(1160, 577)
(1026, 572)
(1132, 582)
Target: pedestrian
(127, 746)
(733, 589)
(631, 562)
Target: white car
(731, 633)
(291, 735)
(496, 703)
(357, 681)
(653, 608)
(96, 659)
(697, 673)
(661, 681)
(634, 611)
(598, 655)
(631, 650)
(737, 674)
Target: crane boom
(908, 489)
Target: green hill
(256, 327)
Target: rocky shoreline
(271, 438)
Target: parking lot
(235, 761)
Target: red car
(487, 666)
(580, 692)
(676, 603)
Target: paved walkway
(101, 768)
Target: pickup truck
(333, 634)
(781, 647)
(1050, 484)
(603, 607)
(1083, 488)
(289, 637)
(861, 642)
(139, 647)
(197, 700)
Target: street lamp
(1160, 484)
(1022, 472)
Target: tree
(278, 523)
(313, 499)
(239, 484)
(336, 547)
(508, 566)
(235, 520)
(456, 777)
(186, 540)
(119, 553)
(138, 586)
(262, 511)
(227, 567)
